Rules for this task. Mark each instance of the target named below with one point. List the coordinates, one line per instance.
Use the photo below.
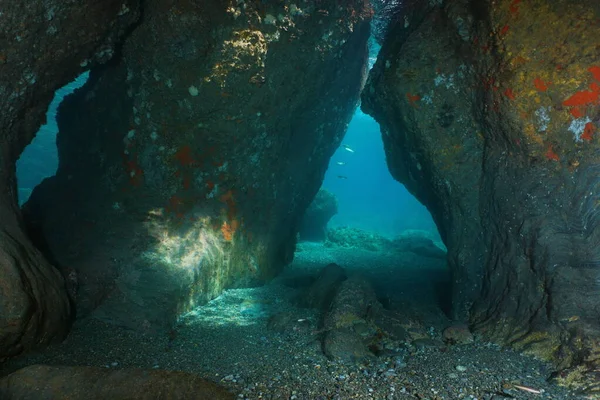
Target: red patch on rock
(509, 93)
(583, 97)
(504, 30)
(577, 112)
(588, 132)
(551, 155)
(540, 85)
(413, 98)
(514, 7)
(595, 70)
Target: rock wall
(186, 165)
(490, 116)
(43, 45)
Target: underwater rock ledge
(489, 116)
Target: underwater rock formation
(322, 291)
(43, 45)
(345, 236)
(348, 324)
(489, 115)
(420, 245)
(42, 382)
(314, 223)
(187, 164)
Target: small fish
(341, 163)
(347, 148)
(571, 319)
(527, 389)
(342, 177)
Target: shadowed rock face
(43, 45)
(490, 116)
(186, 166)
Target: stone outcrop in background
(314, 223)
(490, 116)
(187, 164)
(43, 45)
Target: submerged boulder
(43, 382)
(314, 223)
(321, 292)
(187, 164)
(419, 245)
(43, 46)
(489, 115)
(348, 323)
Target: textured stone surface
(41, 382)
(314, 223)
(489, 114)
(43, 45)
(320, 293)
(187, 165)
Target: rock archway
(44, 46)
(203, 134)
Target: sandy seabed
(229, 341)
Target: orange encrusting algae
(595, 70)
(588, 132)
(551, 155)
(584, 97)
(514, 7)
(413, 98)
(229, 229)
(540, 85)
(509, 93)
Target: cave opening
(186, 167)
(39, 160)
(377, 230)
(370, 224)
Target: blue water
(370, 198)
(40, 159)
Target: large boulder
(348, 324)
(43, 46)
(321, 292)
(43, 382)
(187, 164)
(489, 115)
